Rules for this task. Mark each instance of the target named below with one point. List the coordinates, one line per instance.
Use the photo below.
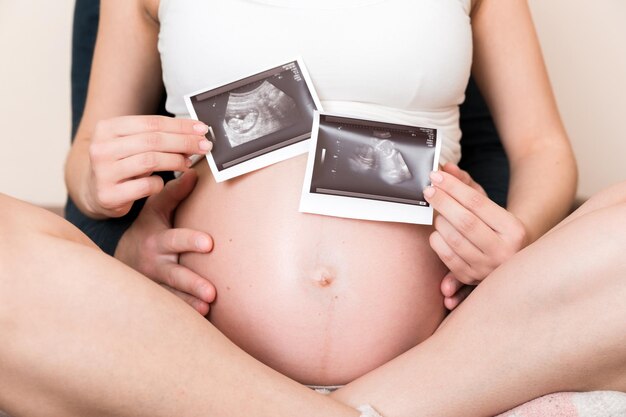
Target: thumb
(173, 193)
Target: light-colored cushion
(573, 404)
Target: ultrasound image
(358, 159)
(257, 113)
(383, 158)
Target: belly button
(323, 277)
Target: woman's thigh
(20, 219)
(550, 319)
(83, 334)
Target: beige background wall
(35, 41)
(584, 43)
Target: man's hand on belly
(152, 247)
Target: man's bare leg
(82, 334)
(552, 319)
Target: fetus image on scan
(253, 114)
(393, 169)
(363, 159)
(382, 157)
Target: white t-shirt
(400, 61)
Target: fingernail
(188, 162)
(201, 128)
(436, 177)
(202, 243)
(205, 145)
(429, 192)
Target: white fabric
(368, 411)
(573, 404)
(400, 61)
(600, 404)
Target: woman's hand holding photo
(473, 235)
(124, 152)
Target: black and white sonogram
(253, 114)
(258, 120)
(370, 170)
(369, 160)
(382, 156)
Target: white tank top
(400, 61)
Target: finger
(461, 270)
(468, 224)
(185, 280)
(454, 169)
(453, 302)
(463, 175)
(198, 305)
(160, 142)
(173, 193)
(149, 162)
(459, 243)
(479, 204)
(133, 125)
(450, 285)
(182, 240)
(129, 191)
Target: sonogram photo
(372, 160)
(254, 119)
(371, 170)
(253, 114)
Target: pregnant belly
(320, 299)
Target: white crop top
(400, 61)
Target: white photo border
(361, 208)
(271, 157)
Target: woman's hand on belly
(152, 247)
(320, 299)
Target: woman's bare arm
(115, 152)
(509, 68)
(474, 238)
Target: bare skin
(536, 307)
(94, 344)
(543, 184)
(542, 166)
(268, 256)
(95, 338)
(321, 299)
